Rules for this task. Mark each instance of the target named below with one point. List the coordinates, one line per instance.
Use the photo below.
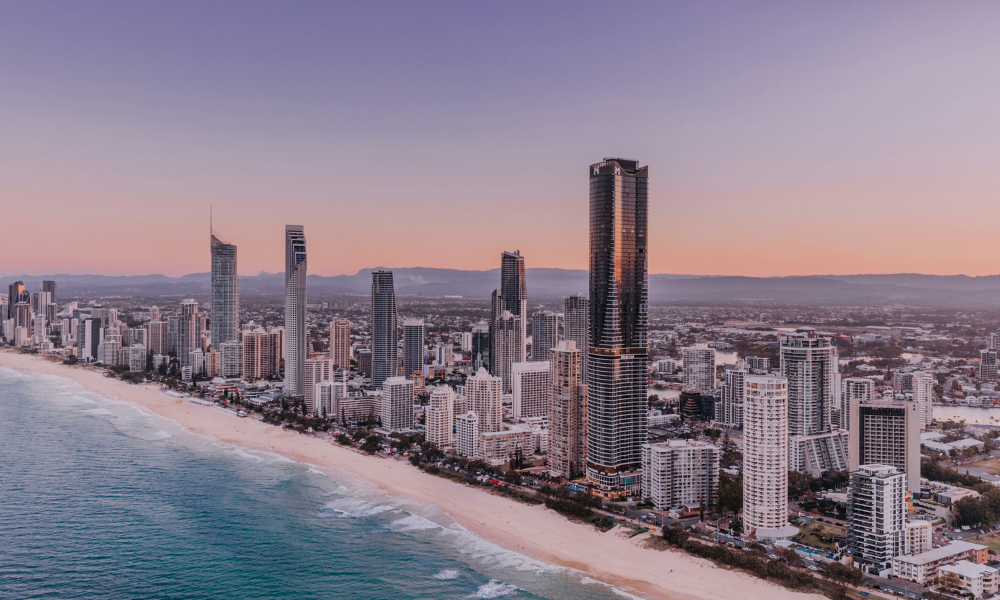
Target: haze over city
(863, 135)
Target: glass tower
(618, 357)
(295, 311)
(383, 328)
(225, 293)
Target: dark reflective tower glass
(617, 358)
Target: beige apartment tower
(567, 412)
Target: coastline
(533, 531)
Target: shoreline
(533, 531)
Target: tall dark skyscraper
(225, 292)
(295, 312)
(16, 293)
(50, 287)
(618, 356)
(508, 318)
(384, 346)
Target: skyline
(756, 123)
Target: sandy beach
(530, 530)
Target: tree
(731, 454)
(949, 583)
(729, 497)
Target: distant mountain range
(928, 291)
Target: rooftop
(968, 569)
(956, 547)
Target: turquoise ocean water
(99, 499)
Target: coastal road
(902, 587)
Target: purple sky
(786, 138)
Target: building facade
(679, 474)
(530, 389)
(876, 502)
(296, 334)
(397, 404)
(484, 393)
(225, 292)
(699, 368)
(765, 456)
(440, 415)
(886, 433)
(544, 334)
(567, 412)
(576, 327)
(413, 347)
(618, 356)
(383, 315)
(340, 343)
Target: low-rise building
(918, 537)
(498, 446)
(925, 567)
(973, 578)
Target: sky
(782, 138)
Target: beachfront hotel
(765, 458)
(618, 357)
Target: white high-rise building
(485, 396)
(466, 341)
(441, 417)
(809, 363)
(530, 382)
(296, 333)
(467, 435)
(923, 395)
(397, 404)
(876, 501)
(699, 368)
(231, 359)
(317, 369)
(852, 388)
(544, 334)
(732, 394)
(918, 537)
(187, 334)
(567, 412)
(680, 473)
(136, 358)
(765, 457)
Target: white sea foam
(98, 411)
(163, 434)
(446, 574)
(494, 589)
(412, 523)
(356, 507)
(243, 453)
(316, 471)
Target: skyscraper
(988, 364)
(732, 394)
(225, 292)
(50, 287)
(485, 398)
(544, 334)
(567, 412)
(187, 332)
(618, 356)
(413, 347)
(480, 346)
(765, 456)
(17, 294)
(809, 363)
(875, 515)
(441, 416)
(699, 368)
(860, 388)
(296, 335)
(397, 404)
(923, 395)
(383, 327)
(886, 433)
(576, 327)
(508, 329)
(340, 343)
(530, 389)
(317, 370)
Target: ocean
(100, 499)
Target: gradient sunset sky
(781, 138)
